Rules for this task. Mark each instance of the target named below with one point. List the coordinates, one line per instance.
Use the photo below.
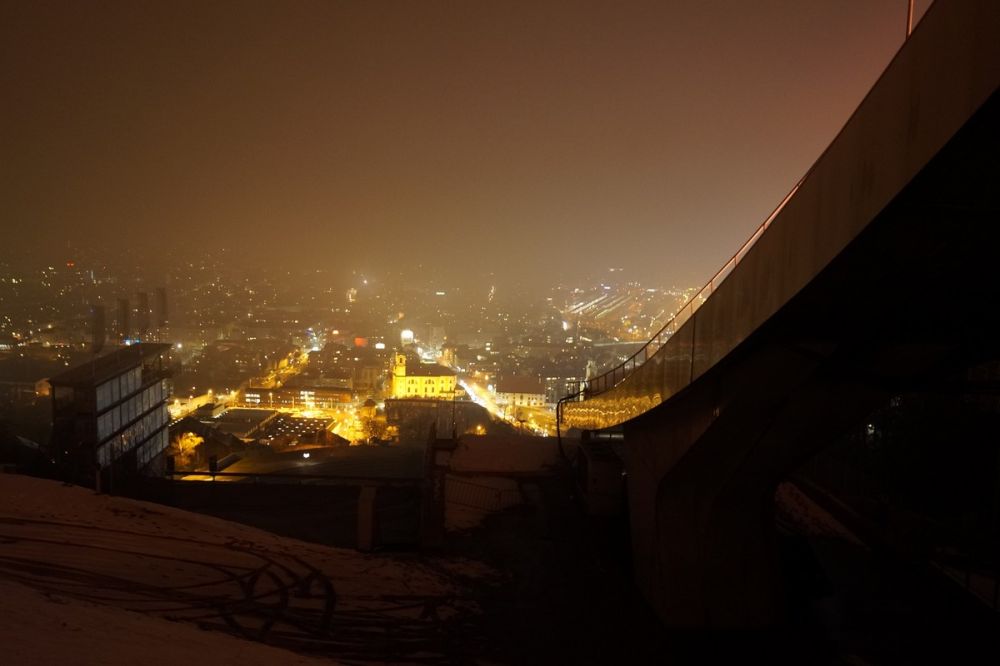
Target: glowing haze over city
(521, 332)
(532, 140)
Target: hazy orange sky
(528, 138)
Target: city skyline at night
(513, 333)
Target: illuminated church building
(425, 380)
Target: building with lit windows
(298, 396)
(520, 392)
(112, 410)
(413, 379)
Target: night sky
(534, 139)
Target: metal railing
(481, 496)
(618, 374)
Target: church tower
(399, 365)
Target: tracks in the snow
(238, 587)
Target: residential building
(520, 391)
(112, 409)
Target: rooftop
(110, 365)
(520, 384)
(427, 370)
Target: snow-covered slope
(89, 578)
(48, 629)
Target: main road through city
(537, 420)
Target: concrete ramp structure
(879, 273)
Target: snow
(486, 473)
(508, 454)
(94, 578)
(47, 629)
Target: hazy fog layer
(521, 138)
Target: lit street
(537, 420)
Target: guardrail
(480, 496)
(619, 373)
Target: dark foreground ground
(564, 594)
(570, 600)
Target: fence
(481, 496)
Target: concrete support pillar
(367, 534)
(436, 465)
(701, 488)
